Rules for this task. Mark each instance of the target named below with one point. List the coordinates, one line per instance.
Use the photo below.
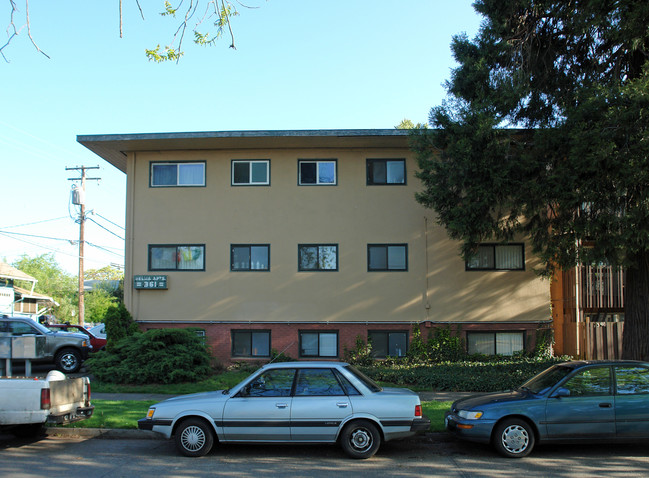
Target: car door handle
(605, 405)
(281, 405)
(342, 404)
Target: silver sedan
(294, 402)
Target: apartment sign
(150, 282)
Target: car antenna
(284, 350)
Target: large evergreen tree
(545, 132)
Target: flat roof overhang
(115, 147)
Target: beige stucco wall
(436, 286)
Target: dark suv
(65, 350)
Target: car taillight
(418, 411)
(46, 402)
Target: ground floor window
(251, 343)
(318, 344)
(387, 343)
(492, 343)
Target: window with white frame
(317, 172)
(177, 174)
(251, 172)
(187, 257)
(382, 172)
(251, 343)
(318, 344)
(250, 257)
(495, 343)
(497, 257)
(387, 257)
(317, 257)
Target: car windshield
(542, 382)
(364, 379)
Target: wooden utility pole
(79, 194)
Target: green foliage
(467, 376)
(276, 356)
(575, 76)
(361, 354)
(97, 302)
(53, 281)
(155, 356)
(119, 325)
(444, 345)
(104, 274)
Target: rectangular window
(251, 343)
(177, 174)
(317, 257)
(177, 257)
(497, 257)
(253, 257)
(495, 343)
(387, 257)
(316, 172)
(318, 344)
(386, 172)
(388, 343)
(251, 173)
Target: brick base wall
(285, 337)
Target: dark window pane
(379, 341)
(164, 175)
(378, 258)
(241, 258)
(378, 172)
(308, 173)
(241, 173)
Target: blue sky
(298, 65)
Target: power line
(36, 222)
(105, 229)
(114, 224)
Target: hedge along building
(302, 241)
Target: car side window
(632, 380)
(273, 383)
(21, 328)
(590, 382)
(317, 383)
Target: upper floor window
(316, 172)
(251, 173)
(387, 257)
(177, 257)
(497, 257)
(386, 172)
(251, 257)
(317, 257)
(177, 174)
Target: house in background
(301, 241)
(17, 301)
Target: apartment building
(302, 241)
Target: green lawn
(125, 414)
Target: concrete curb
(107, 433)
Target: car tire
(194, 437)
(68, 361)
(514, 438)
(360, 439)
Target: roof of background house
(9, 272)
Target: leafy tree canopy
(105, 273)
(545, 133)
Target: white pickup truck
(28, 404)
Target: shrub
(361, 354)
(119, 324)
(155, 356)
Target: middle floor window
(164, 257)
(317, 257)
(387, 257)
(250, 257)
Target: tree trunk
(635, 341)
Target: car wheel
(514, 438)
(68, 361)
(360, 439)
(194, 437)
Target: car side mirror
(561, 392)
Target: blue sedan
(583, 401)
